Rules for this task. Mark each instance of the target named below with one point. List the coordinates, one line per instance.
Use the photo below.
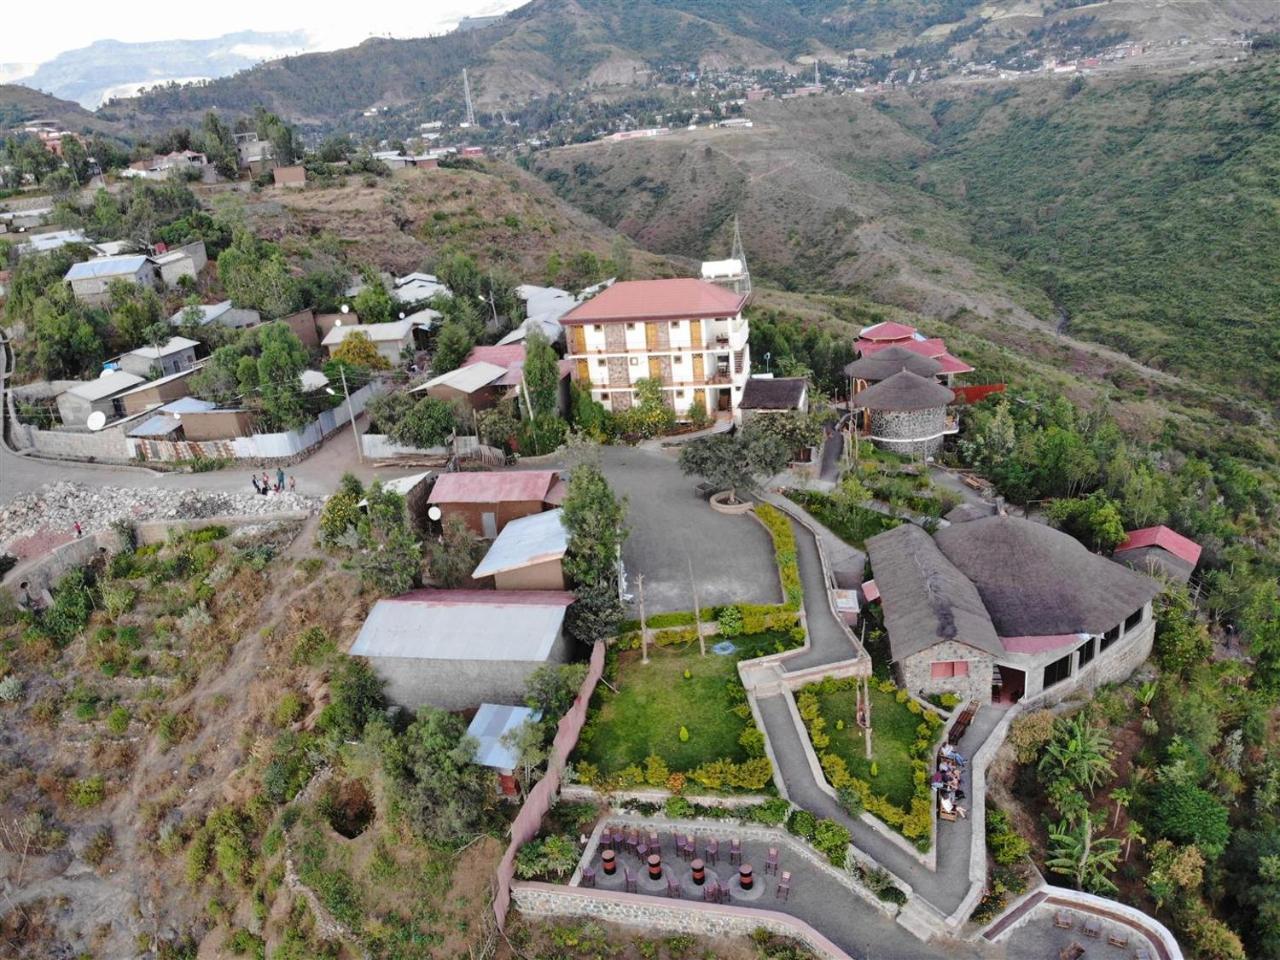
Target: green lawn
(851, 523)
(893, 731)
(654, 700)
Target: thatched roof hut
(904, 391)
(883, 364)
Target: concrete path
(831, 453)
(828, 639)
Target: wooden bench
(962, 723)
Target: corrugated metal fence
(525, 826)
(977, 392)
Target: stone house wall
(900, 430)
(916, 672)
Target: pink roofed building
(1160, 551)
(489, 500)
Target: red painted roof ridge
(681, 298)
(492, 486)
(1161, 536)
(887, 330)
(536, 598)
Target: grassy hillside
(1148, 209)
(1139, 213)
(19, 105)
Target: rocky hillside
(1134, 212)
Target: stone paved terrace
(817, 898)
(1035, 936)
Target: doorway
(1008, 684)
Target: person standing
(257, 487)
(79, 532)
(266, 482)
(293, 484)
(280, 479)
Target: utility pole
(355, 431)
(697, 610)
(644, 637)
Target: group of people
(947, 781)
(265, 486)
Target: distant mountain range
(110, 68)
(549, 47)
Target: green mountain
(1135, 212)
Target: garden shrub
(784, 552)
(730, 621)
(87, 792)
(832, 839)
(772, 812)
(678, 808)
(1029, 733)
(752, 741)
(1007, 846)
(655, 770)
(802, 824)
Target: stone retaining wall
(672, 916)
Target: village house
(488, 375)
(390, 339)
(455, 649)
(223, 314)
(179, 353)
(688, 334)
(883, 364)
(889, 334)
(528, 554)
(185, 261)
(90, 281)
(906, 414)
(153, 393)
(1159, 552)
(489, 500)
(490, 728)
(1004, 609)
(169, 421)
(101, 395)
(293, 178)
(764, 395)
(416, 287)
(53, 240)
(415, 488)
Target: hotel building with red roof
(688, 334)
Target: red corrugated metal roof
(684, 298)
(934, 347)
(1161, 536)
(495, 598)
(888, 330)
(492, 486)
(952, 364)
(503, 355)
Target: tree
(795, 429)
(593, 517)
(541, 374)
(1188, 814)
(1094, 520)
(1172, 870)
(552, 688)
(651, 415)
(1262, 631)
(218, 144)
(357, 350)
(1121, 797)
(452, 557)
(1089, 861)
(254, 274)
(439, 785)
(453, 343)
(529, 746)
(280, 364)
(67, 335)
(734, 463)
(355, 697)
(428, 423)
(373, 304)
(1078, 751)
(134, 311)
(390, 558)
(1182, 642)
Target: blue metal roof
(106, 267)
(188, 405)
(492, 722)
(158, 426)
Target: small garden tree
(1089, 860)
(439, 786)
(357, 350)
(1079, 752)
(734, 463)
(541, 374)
(593, 517)
(453, 344)
(452, 557)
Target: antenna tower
(740, 254)
(466, 89)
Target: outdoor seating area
(1052, 930)
(665, 863)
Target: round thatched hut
(907, 413)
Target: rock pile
(57, 507)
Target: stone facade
(672, 916)
(1113, 665)
(916, 672)
(909, 432)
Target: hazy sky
(33, 33)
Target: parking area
(671, 527)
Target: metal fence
(525, 826)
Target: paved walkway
(828, 639)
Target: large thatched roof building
(907, 413)
(1006, 608)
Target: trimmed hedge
(784, 553)
(914, 823)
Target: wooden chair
(711, 892)
(771, 862)
(1072, 952)
(633, 837)
(1062, 920)
(713, 851)
(735, 851)
(632, 886)
(948, 816)
(1091, 928)
(588, 877)
(673, 887)
(783, 889)
(1118, 937)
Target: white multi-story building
(688, 334)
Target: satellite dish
(97, 420)
(434, 512)
(345, 308)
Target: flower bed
(893, 785)
(851, 523)
(784, 552)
